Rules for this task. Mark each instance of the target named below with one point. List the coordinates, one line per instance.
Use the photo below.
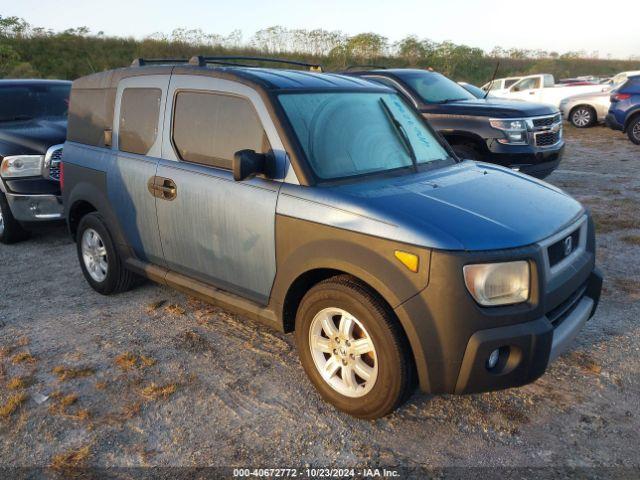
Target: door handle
(163, 188)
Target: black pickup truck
(521, 135)
(33, 127)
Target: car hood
(496, 108)
(31, 137)
(467, 206)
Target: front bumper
(526, 349)
(537, 162)
(611, 122)
(451, 336)
(35, 208)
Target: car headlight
(493, 284)
(21, 166)
(515, 130)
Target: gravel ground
(155, 378)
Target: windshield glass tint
(348, 134)
(435, 88)
(24, 102)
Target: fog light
(492, 361)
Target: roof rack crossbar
(202, 61)
(378, 67)
(140, 62)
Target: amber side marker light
(409, 260)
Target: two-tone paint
(257, 246)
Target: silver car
(586, 109)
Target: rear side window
(90, 113)
(139, 110)
(209, 128)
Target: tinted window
(90, 113)
(435, 88)
(349, 134)
(139, 111)
(508, 83)
(24, 102)
(210, 128)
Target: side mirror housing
(248, 163)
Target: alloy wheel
(581, 117)
(343, 352)
(1, 223)
(636, 131)
(94, 255)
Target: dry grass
(71, 459)
(586, 362)
(23, 357)
(129, 360)
(631, 239)
(5, 351)
(175, 309)
(101, 385)
(152, 307)
(66, 373)
(18, 383)
(614, 215)
(155, 392)
(63, 402)
(12, 404)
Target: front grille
(559, 250)
(546, 121)
(546, 139)
(562, 311)
(54, 165)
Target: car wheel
(633, 130)
(10, 229)
(353, 349)
(465, 152)
(582, 116)
(100, 262)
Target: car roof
(265, 78)
(31, 81)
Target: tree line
(30, 51)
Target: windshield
(357, 133)
(24, 102)
(435, 88)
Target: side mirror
(247, 163)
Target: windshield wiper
(401, 133)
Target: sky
(566, 25)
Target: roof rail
(377, 67)
(225, 60)
(141, 62)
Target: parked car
(620, 78)
(473, 90)
(586, 109)
(326, 205)
(624, 113)
(543, 89)
(32, 129)
(523, 136)
(499, 84)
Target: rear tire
(633, 130)
(353, 349)
(10, 229)
(101, 264)
(465, 152)
(583, 116)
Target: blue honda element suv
(326, 205)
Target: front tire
(10, 229)
(100, 262)
(582, 116)
(353, 349)
(633, 130)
